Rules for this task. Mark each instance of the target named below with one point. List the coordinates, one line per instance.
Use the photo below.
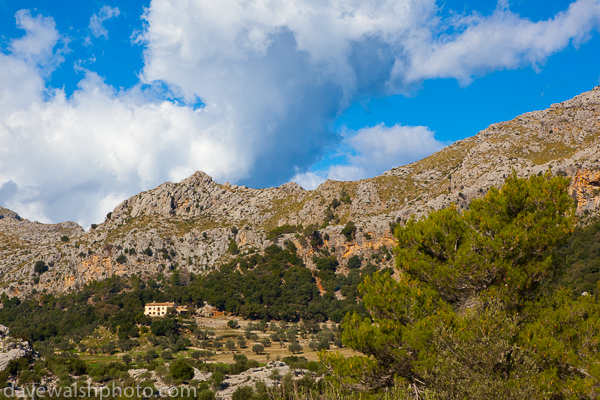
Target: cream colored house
(160, 309)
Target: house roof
(160, 304)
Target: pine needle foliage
(468, 313)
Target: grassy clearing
(552, 151)
(283, 207)
(179, 227)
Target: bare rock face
(11, 348)
(4, 331)
(585, 189)
(9, 215)
(192, 225)
(262, 374)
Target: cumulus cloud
(86, 153)
(373, 150)
(99, 146)
(356, 45)
(97, 21)
(78, 157)
(281, 72)
(272, 78)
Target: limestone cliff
(192, 224)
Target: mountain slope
(198, 223)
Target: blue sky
(101, 100)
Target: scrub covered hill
(275, 286)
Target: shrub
(242, 393)
(40, 267)
(349, 231)
(345, 197)
(233, 247)
(282, 230)
(335, 203)
(233, 324)
(181, 370)
(354, 262)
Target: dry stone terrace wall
(195, 220)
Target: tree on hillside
(349, 231)
(233, 324)
(295, 347)
(468, 316)
(40, 267)
(163, 327)
(258, 349)
(230, 344)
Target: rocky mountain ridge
(198, 223)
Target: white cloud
(341, 41)
(78, 157)
(382, 147)
(280, 72)
(310, 180)
(36, 47)
(273, 77)
(503, 40)
(373, 150)
(97, 21)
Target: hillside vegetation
(478, 312)
(485, 303)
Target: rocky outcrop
(11, 348)
(585, 189)
(10, 215)
(269, 375)
(192, 224)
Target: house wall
(155, 311)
